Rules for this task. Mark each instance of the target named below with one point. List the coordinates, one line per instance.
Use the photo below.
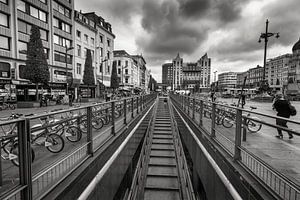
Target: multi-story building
(55, 20)
(167, 74)
(254, 76)
(177, 72)
(104, 47)
(147, 80)
(191, 75)
(126, 68)
(294, 64)
(141, 63)
(277, 71)
(205, 67)
(85, 34)
(227, 80)
(240, 77)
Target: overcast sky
(228, 30)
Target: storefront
(87, 91)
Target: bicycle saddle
(252, 107)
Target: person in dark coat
(282, 107)
(243, 98)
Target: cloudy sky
(228, 30)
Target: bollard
(213, 120)
(125, 109)
(89, 131)
(238, 130)
(113, 128)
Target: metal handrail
(235, 195)
(92, 185)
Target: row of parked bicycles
(52, 129)
(226, 115)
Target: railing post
(193, 108)
(132, 109)
(89, 137)
(25, 158)
(201, 113)
(213, 120)
(183, 103)
(113, 128)
(238, 131)
(244, 129)
(188, 105)
(125, 109)
(137, 105)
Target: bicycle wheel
(83, 126)
(227, 122)
(73, 134)
(12, 106)
(15, 151)
(253, 126)
(97, 123)
(105, 120)
(54, 143)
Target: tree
(114, 83)
(37, 70)
(88, 74)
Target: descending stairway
(162, 180)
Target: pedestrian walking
(282, 107)
(212, 96)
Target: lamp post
(265, 36)
(66, 60)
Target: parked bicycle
(9, 141)
(6, 106)
(252, 123)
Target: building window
(101, 38)
(78, 68)
(61, 9)
(21, 6)
(4, 70)
(101, 51)
(108, 55)
(61, 41)
(119, 71)
(78, 34)
(86, 38)
(126, 71)
(78, 50)
(61, 57)
(4, 20)
(62, 25)
(22, 47)
(119, 62)
(108, 43)
(4, 41)
(92, 41)
(43, 1)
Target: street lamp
(67, 49)
(265, 36)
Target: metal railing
(235, 130)
(57, 143)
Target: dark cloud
(122, 10)
(228, 10)
(194, 8)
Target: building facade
(177, 72)
(167, 74)
(191, 75)
(55, 20)
(205, 67)
(277, 71)
(141, 64)
(227, 80)
(104, 47)
(126, 68)
(85, 34)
